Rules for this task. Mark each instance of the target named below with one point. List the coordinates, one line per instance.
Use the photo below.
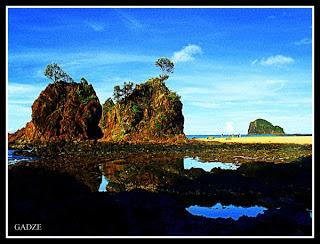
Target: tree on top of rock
(55, 73)
(166, 66)
(119, 94)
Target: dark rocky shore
(148, 196)
(276, 153)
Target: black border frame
(244, 3)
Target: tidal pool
(225, 211)
(104, 181)
(207, 166)
(103, 184)
(310, 212)
(12, 159)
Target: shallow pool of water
(310, 212)
(12, 159)
(103, 184)
(104, 180)
(225, 211)
(207, 166)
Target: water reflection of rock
(252, 183)
(84, 169)
(148, 172)
(65, 206)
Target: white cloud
(19, 88)
(276, 60)
(271, 17)
(98, 27)
(21, 102)
(130, 22)
(229, 127)
(66, 60)
(186, 54)
(204, 104)
(254, 62)
(304, 41)
(193, 91)
(247, 90)
(19, 110)
(21, 96)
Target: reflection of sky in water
(310, 212)
(230, 211)
(12, 159)
(104, 181)
(207, 166)
(103, 184)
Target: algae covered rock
(149, 112)
(261, 126)
(63, 111)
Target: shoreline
(301, 140)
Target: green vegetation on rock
(166, 66)
(150, 111)
(56, 74)
(261, 126)
(120, 94)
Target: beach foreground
(263, 139)
(188, 189)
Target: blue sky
(232, 66)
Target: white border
(7, 124)
(313, 135)
(151, 7)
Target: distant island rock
(63, 111)
(261, 126)
(151, 112)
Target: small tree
(84, 82)
(55, 73)
(127, 88)
(117, 93)
(166, 66)
(121, 93)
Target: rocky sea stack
(63, 111)
(261, 126)
(151, 112)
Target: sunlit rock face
(150, 112)
(63, 111)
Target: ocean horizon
(241, 135)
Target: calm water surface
(12, 159)
(226, 211)
(207, 166)
(112, 169)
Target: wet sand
(264, 139)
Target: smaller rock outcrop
(261, 126)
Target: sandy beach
(263, 139)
